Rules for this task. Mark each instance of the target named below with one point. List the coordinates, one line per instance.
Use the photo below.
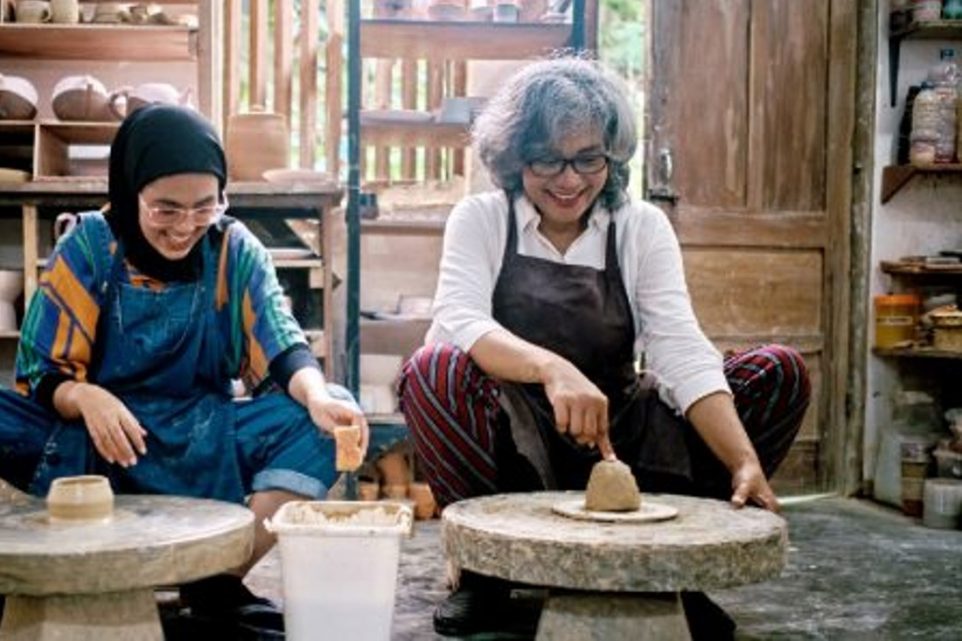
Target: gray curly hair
(542, 104)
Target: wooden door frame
(840, 233)
(851, 480)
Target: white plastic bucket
(339, 564)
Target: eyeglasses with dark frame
(170, 215)
(583, 165)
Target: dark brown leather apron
(583, 315)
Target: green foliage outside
(622, 44)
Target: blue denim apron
(161, 354)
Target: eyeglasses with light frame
(583, 165)
(170, 215)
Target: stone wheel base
(113, 616)
(607, 616)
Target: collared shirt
(59, 331)
(687, 365)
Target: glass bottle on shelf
(925, 126)
(952, 10)
(945, 75)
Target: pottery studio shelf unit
(440, 45)
(935, 30)
(249, 201)
(922, 273)
(98, 42)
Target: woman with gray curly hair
(547, 287)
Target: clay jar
(424, 503)
(65, 11)
(32, 11)
(133, 98)
(18, 98)
(81, 98)
(80, 498)
(255, 142)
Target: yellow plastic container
(895, 318)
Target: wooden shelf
(917, 352)
(389, 133)
(937, 30)
(460, 40)
(298, 263)
(918, 269)
(388, 227)
(98, 42)
(894, 177)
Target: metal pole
(578, 25)
(352, 347)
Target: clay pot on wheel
(18, 98)
(255, 142)
(82, 98)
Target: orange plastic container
(895, 318)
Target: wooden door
(749, 133)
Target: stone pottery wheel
(614, 581)
(94, 580)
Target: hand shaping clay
(612, 488)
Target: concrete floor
(856, 571)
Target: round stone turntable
(614, 580)
(94, 580)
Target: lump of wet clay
(612, 488)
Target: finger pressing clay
(348, 440)
(612, 488)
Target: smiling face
(174, 240)
(562, 200)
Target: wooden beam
(258, 52)
(283, 57)
(232, 70)
(333, 86)
(30, 249)
(309, 37)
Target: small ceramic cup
(33, 11)
(80, 498)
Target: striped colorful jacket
(60, 328)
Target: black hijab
(153, 142)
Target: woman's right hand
(580, 408)
(112, 427)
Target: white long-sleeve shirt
(686, 364)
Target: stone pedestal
(89, 581)
(614, 581)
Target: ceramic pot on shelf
(255, 142)
(81, 98)
(133, 98)
(11, 284)
(18, 98)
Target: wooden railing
(277, 64)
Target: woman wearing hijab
(548, 290)
(143, 317)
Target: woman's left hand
(749, 484)
(328, 413)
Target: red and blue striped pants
(452, 410)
